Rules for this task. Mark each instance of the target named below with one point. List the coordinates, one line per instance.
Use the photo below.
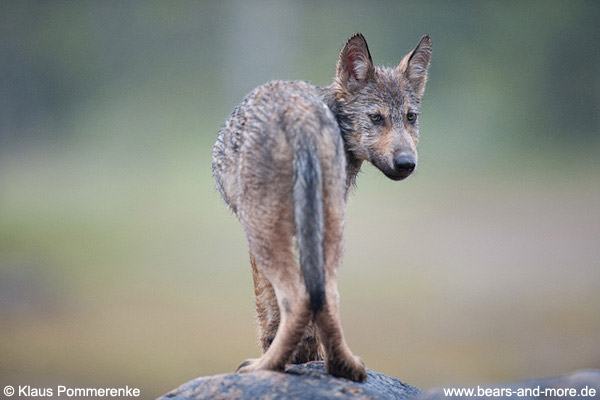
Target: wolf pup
(285, 162)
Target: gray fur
(284, 162)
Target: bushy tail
(308, 215)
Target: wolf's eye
(376, 118)
(411, 117)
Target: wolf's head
(379, 107)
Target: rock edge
(304, 381)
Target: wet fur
(285, 162)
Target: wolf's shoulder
(284, 91)
(277, 98)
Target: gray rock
(304, 381)
(310, 381)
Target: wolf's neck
(353, 164)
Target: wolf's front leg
(310, 347)
(267, 309)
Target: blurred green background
(119, 263)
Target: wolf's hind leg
(339, 359)
(270, 241)
(309, 348)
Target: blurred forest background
(119, 263)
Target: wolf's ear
(415, 65)
(355, 67)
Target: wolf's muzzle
(404, 165)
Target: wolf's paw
(352, 368)
(249, 365)
(258, 364)
(309, 349)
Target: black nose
(404, 164)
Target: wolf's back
(282, 138)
